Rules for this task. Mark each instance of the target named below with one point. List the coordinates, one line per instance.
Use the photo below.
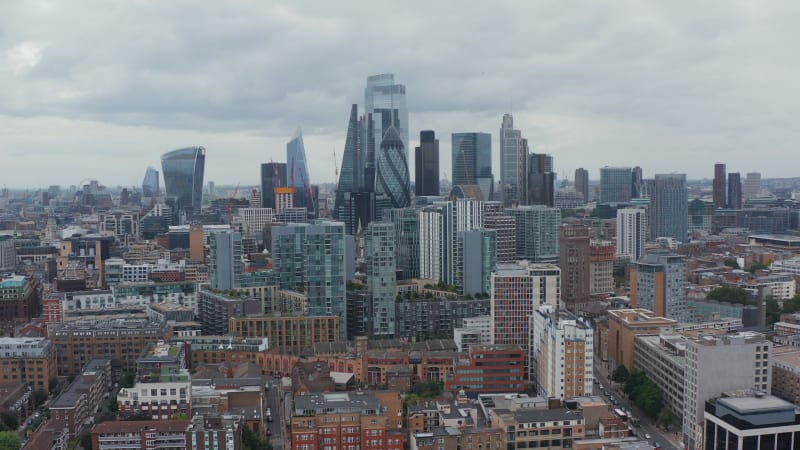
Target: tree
(86, 441)
(620, 374)
(252, 442)
(666, 418)
(731, 262)
(792, 305)
(39, 397)
(756, 266)
(9, 440)
(128, 378)
(113, 406)
(10, 419)
(730, 294)
(773, 310)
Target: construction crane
(230, 204)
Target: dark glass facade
(150, 183)
(272, 175)
(472, 161)
(426, 165)
(183, 176)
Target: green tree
(666, 418)
(10, 419)
(9, 440)
(756, 266)
(792, 305)
(86, 441)
(39, 397)
(620, 374)
(252, 442)
(773, 310)
(730, 294)
(128, 378)
(731, 262)
(113, 406)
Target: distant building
(537, 233)
(273, 175)
(658, 283)
(183, 171)
(720, 186)
(379, 242)
(287, 334)
(575, 264)
(471, 161)
(564, 426)
(513, 162)
(670, 207)
(734, 190)
(616, 184)
(28, 360)
(582, 183)
(162, 395)
(141, 434)
(752, 185)
(426, 159)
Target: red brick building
(489, 369)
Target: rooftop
(541, 414)
(135, 426)
(340, 402)
(755, 404)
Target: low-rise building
(163, 395)
(28, 360)
(244, 397)
(142, 435)
(556, 428)
(457, 438)
(341, 420)
(786, 373)
(623, 327)
(78, 403)
(751, 421)
(489, 369)
(117, 337)
(287, 334)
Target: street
(276, 426)
(665, 440)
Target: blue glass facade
(472, 161)
(298, 172)
(150, 185)
(183, 176)
(392, 179)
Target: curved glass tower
(183, 176)
(150, 183)
(392, 179)
(298, 172)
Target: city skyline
(703, 95)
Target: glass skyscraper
(513, 161)
(298, 172)
(670, 205)
(385, 101)
(392, 181)
(537, 233)
(226, 260)
(472, 161)
(616, 184)
(272, 175)
(426, 162)
(183, 176)
(150, 184)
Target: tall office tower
(227, 266)
(631, 233)
(537, 233)
(436, 242)
(426, 162)
(513, 159)
(183, 176)
(719, 185)
(298, 173)
(475, 259)
(637, 182)
(472, 161)
(601, 267)
(616, 184)
(311, 258)
(561, 354)
(717, 364)
(468, 214)
(517, 290)
(734, 190)
(273, 175)
(351, 162)
(582, 183)
(211, 189)
(541, 180)
(391, 171)
(385, 101)
(658, 283)
(574, 260)
(752, 185)
(406, 235)
(150, 186)
(379, 242)
(355, 194)
(670, 206)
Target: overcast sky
(100, 89)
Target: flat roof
(750, 405)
